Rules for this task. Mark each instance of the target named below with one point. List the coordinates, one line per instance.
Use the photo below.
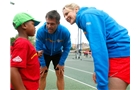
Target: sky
(125, 12)
(118, 9)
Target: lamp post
(12, 3)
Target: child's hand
(40, 53)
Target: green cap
(21, 18)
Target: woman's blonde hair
(71, 6)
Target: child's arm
(16, 80)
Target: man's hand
(43, 70)
(60, 68)
(40, 53)
(94, 77)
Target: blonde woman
(109, 44)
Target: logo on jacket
(50, 40)
(88, 23)
(58, 40)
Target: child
(25, 68)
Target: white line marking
(71, 60)
(76, 80)
(79, 70)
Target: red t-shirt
(24, 57)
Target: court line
(79, 70)
(76, 80)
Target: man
(54, 39)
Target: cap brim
(36, 22)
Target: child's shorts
(120, 67)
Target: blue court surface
(78, 74)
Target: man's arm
(39, 46)
(66, 48)
(16, 79)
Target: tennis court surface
(78, 74)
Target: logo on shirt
(17, 59)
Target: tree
(72, 48)
(32, 40)
(12, 39)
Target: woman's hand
(94, 77)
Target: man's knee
(43, 76)
(59, 76)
